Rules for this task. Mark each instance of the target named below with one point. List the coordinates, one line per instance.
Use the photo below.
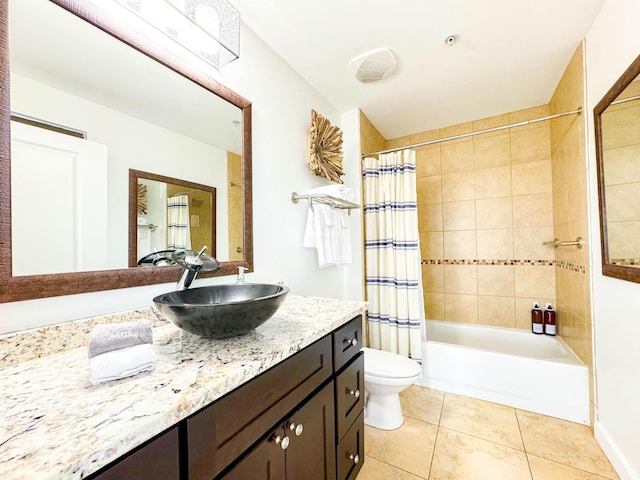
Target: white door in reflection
(58, 202)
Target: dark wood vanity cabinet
(157, 459)
(301, 419)
(301, 447)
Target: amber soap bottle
(537, 325)
(549, 318)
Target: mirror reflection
(620, 124)
(171, 214)
(132, 113)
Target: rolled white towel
(122, 363)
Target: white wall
(132, 143)
(281, 107)
(612, 44)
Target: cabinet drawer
(350, 451)
(218, 434)
(347, 342)
(349, 395)
(157, 459)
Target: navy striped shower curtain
(392, 254)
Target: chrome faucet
(194, 264)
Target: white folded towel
(113, 336)
(121, 363)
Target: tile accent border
(628, 262)
(524, 263)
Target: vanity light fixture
(209, 29)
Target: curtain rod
(463, 135)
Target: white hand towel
(121, 363)
(327, 228)
(113, 336)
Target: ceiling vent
(374, 66)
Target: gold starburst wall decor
(325, 148)
(142, 199)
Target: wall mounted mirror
(617, 125)
(92, 101)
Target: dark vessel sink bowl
(222, 311)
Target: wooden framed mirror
(617, 128)
(176, 113)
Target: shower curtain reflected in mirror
(392, 254)
(178, 228)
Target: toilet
(386, 374)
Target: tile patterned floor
(451, 437)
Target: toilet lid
(389, 365)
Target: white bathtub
(538, 373)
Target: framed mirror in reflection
(172, 214)
(88, 109)
(617, 123)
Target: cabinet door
(349, 395)
(311, 430)
(350, 451)
(264, 462)
(157, 460)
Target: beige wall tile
(458, 129)
(490, 122)
(527, 243)
(458, 186)
(528, 114)
(461, 279)
(492, 152)
(429, 189)
(497, 311)
(457, 156)
(621, 165)
(530, 145)
(495, 244)
(531, 177)
(459, 215)
(428, 161)
(496, 280)
(494, 213)
(461, 308)
(460, 245)
(493, 182)
(430, 217)
(427, 136)
(431, 245)
(535, 282)
(623, 202)
(620, 127)
(434, 306)
(533, 210)
(433, 278)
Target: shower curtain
(178, 229)
(392, 254)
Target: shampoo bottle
(549, 320)
(537, 325)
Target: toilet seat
(378, 363)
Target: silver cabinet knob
(282, 441)
(298, 429)
(355, 393)
(354, 458)
(353, 341)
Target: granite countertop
(56, 425)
